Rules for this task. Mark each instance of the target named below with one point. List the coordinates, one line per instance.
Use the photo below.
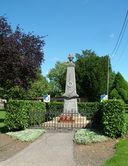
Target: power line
(117, 45)
(121, 35)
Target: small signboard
(46, 98)
(103, 97)
(2, 103)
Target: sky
(71, 26)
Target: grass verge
(27, 135)
(86, 136)
(126, 118)
(3, 128)
(120, 157)
(2, 114)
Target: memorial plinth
(70, 118)
(70, 95)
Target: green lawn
(2, 117)
(120, 157)
(2, 114)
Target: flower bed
(66, 118)
(86, 136)
(27, 135)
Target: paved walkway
(51, 149)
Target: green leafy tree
(38, 88)
(114, 94)
(57, 77)
(91, 74)
(119, 88)
(15, 92)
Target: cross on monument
(70, 57)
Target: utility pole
(108, 76)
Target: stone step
(75, 124)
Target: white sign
(103, 97)
(46, 98)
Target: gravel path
(57, 149)
(51, 149)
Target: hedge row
(113, 118)
(21, 114)
(109, 116)
(88, 109)
(85, 109)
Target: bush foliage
(113, 119)
(119, 88)
(27, 135)
(21, 114)
(88, 109)
(86, 136)
(55, 107)
(84, 108)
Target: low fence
(52, 120)
(69, 120)
(56, 119)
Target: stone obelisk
(70, 95)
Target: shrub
(27, 134)
(113, 119)
(85, 109)
(86, 136)
(88, 109)
(126, 120)
(97, 119)
(20, 114)
(53, 109)
(56, 107)
(36, 112)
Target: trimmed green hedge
(85, 109)
(113, 119)
(22, 113)
(126, 119)
(53, 109)
(88, 109)
(36, 113)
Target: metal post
(108, 77)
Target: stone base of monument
(67, 121)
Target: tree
(39, 88)
(20, 56)
(114, 94)
(91, 74)
(120, 86)
(57, 77)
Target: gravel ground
(93, 154)
(84, 155)
(10, 146)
